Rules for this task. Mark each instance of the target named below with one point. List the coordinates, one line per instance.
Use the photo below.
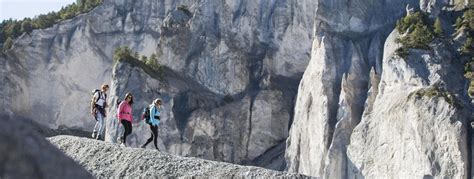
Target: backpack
(118, 102)
(146, 115)
(92, 97)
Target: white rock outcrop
(332, 93)
(354, 115)
(418, 126)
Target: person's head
(105, 87)
(157, 102)
(129, 98)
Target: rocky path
(104, 159)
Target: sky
(19, 9)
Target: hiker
(153, 119)
(125, 116)
(98, 105)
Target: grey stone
(24, 153)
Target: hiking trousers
(127, 125)
(99, 124)
(154, 136)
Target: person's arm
(93, 104)
(131, 113)
(94, 99)
(152, 113)
(120, 109)
(156, 112)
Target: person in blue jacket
(155, 112)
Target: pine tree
(13, 29)
(8, 43)
(26, 26)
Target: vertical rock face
(362, 112)
(242, 49)
(226, 46)
(418, 126)
(434, 7)
(246, 129)
(333, 91)
(358, 18)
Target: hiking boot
(94, 135)
(98, 137)
(143, 146)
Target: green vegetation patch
(11, 29)
(417, 32)
(471, 89)
(435, 92)
(149, 65)
(465, 24)
(469, 74)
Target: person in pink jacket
(125, 116)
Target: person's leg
(129, 124)
(128, 131)
(125, 126)
(155, 135)
(100, 124)
(149, 139)
(98, 118)
(100, 133)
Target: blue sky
(19, 9)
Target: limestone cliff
(419, 124)
(332, 93)
(228, 47)
(231, 74)
(242, 49)
(354, 115)
(198, 122)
